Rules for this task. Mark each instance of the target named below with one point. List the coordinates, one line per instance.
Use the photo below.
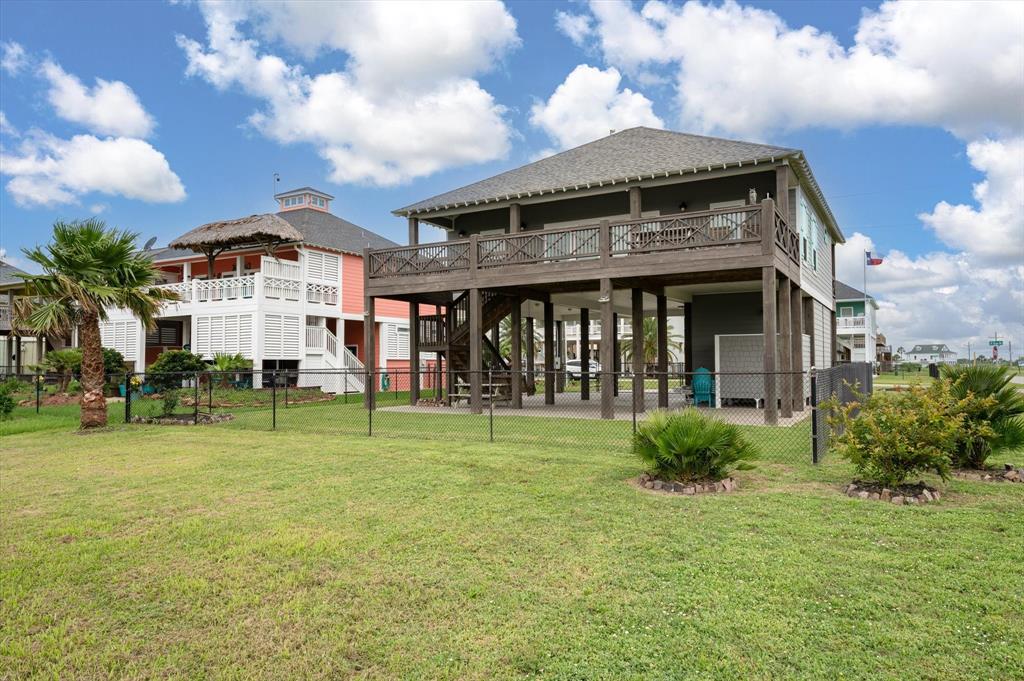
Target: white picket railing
(280, 269)
(229, 288)
(851, 322)
(182, 288)
(321, 293)
(281, 289)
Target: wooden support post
(688, 342)
(560, 354)
(797, 361)
(767, 227)
(782, 190)
(496, 335)
(607, 349)
(637, 327)
(414, 353)
(811, 329)
(531, 357)
(662, 315)
(449, 330)
(584, 354)
(414, 231)
(635, 207)
(516, 343)
(476, 363)
(616, 353)
(768, 302)
(370, 352)
(785, 325)
(515, 219)
(549, 353)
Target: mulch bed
(183, 419)
(58, 400)
(918, 493)
(431, 403)
(1009, 473)
(686, 488)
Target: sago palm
(1000, 405)
(88, 268)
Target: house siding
(723, 313)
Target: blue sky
(885, 155)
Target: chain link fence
(845, 382)
(553, 409)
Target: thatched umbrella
(212, 239)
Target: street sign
(994, 343)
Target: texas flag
(870, 260)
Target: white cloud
(47, 170)
(993, 232)
(13, 59)
(588, 104)
(404, 107)
(744, 71)
(576, 26)
(98, 208)
(108, 108)
(6, 128)
(18, 261)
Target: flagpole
(865, 263)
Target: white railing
(276, 288)
(321, 293)
(315, 338)
(331, 343)
(851, 322)
(230, 288)
(182, 288)
(280, 269)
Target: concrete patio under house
(732, 240)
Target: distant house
(937, 353)
(856, 324)
(20, 349)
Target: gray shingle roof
(847, 292)
(622, 156)
(317, 227)
(8, 274)
(933, 348)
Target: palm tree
(505, 346)
(86, 269)
(649, 335)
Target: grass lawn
(903, 378)
(217, 552)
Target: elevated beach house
(737, 238)
(284, 290)
(856, 324)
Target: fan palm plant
(505, 345)
(649, 343)
(686, 445)
(998, 403)
(86, 269)
(226, 364)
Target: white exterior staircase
(343, 372)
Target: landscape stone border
(902, 495)
(648, 481)
(204, 419)
(1010, 473)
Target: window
(846, 312)
(317, 201)
(858, 342)
(290, 201)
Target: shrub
(686, 445)
(66, 363)
(988, 398)
(226, 365)
(74, 387)
(113, 363)
(891, 436)
(6, 403)
(170, 402)
(166, 373)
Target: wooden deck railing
(678, 232)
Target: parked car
(574, 369)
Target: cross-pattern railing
(429, 259)
(321, 293)
(679, 232)
(549, 245)
(182, 288)
(687, 230)
(230, 288)
(281, 289)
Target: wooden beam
(584, 354)
(616, 353)
(560, 353)
(637, 326)
(475, 351)
(549, 353)
(437, 358)
(414, 353)
(662, 316)
(515, 219)
(531, 356)
(607, 349)
(797, 361)
(782, 190)
(768, 296)
(516, 343)
(635, 206)
(688, 341)
(785, 323)
(414, 231)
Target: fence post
(370, 406)
(195, 401)
(209, 392)
(286, 391)
(127, 397)
(39, 389)
(814, 416)
(490, 403)
(633, 402)
(273, 400)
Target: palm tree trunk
(94, 405)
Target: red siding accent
(352, 293)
